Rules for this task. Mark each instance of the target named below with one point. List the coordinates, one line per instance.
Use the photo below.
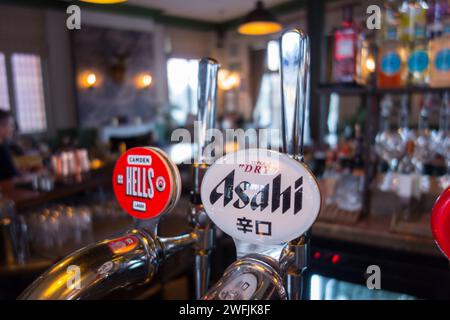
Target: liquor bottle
(345, 49)
(408, 185)
(330, 177)
(365, 57)
(403, 120)
(358, 154)
(412, 13)
(435, 18)
(418, 61)
(389, 145)
(392, 70)
(390, 22)
(441, 137)
(406, 165)
(439, 49)
(424, 153)
(350, 186)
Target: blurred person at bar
(8, 169)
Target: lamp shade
(259, 22)
(104, 1)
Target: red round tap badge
(440, 222)
(146, 183)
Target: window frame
(11, 89)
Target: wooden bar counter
(25, 197)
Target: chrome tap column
(267, 200)
(254, 277)
(294, 73)
(101, 268)
(202, 225)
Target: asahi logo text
(218, 141)
(269, 193)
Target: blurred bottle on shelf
(403, 120)
(366, 57)
(330, 177)
(350, 185)
(436, 15)
(418, 60)
(413, 14)
(392, 62)
(389, 144)
(358, 154)
(14, 247)
(390, 22)
(424, 153)
(439, 49)
(441, 138)
(345, 49)
(442, 134)
(408, 185)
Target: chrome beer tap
(130, 259)
(294, 74)
(270, 233)
(99, 269)
(202, 225)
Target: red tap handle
(440, 222)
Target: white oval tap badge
(261, 196)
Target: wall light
(370, 64)
(88, 79)
(91, 79)
(228, 80)
(144, 80)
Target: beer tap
(202, 225)
(294, 74)
(99, 269)
(266, 224)
(132, 258)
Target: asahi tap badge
(146, 183)
(261, 196)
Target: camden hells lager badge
(146, 183)
(261, 196)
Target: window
(267, 112)
(28, 92)
(182, 80)
(4, 96)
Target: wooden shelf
(356, 90)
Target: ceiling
(208, 10)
